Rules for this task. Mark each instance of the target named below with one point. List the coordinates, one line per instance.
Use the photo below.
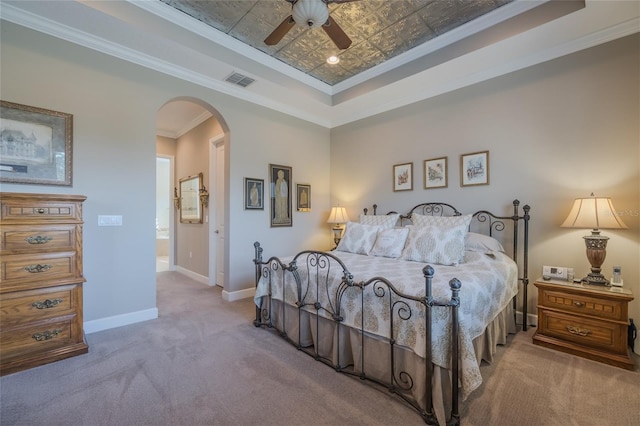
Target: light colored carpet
(202, 362)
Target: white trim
(196, 277)
(232, 296)
(532, 320)
(120, 320)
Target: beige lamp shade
(338, 215)
(593, 213)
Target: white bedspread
(488, 285)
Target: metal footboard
(312, 314)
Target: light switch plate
(557, 272)
(110, 220)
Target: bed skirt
(348, 351)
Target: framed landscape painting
(474, 169)
(435, 173)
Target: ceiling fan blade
(335, 33)
(280, 31)
(340, 1)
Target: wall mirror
(190, 203)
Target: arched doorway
(196, 136)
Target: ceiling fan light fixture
(333, 59)
(310, 13)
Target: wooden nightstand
(584, 320)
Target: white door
(220, 203)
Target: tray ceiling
(379, 29)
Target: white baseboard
(532, 319)
(119, 320)
(231, 296)
(196, 277)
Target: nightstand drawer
(584, 304)
(39, 210)
(607, 336)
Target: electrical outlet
(557, 272)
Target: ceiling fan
(311, 13)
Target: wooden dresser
(40, 279)
(585, 320)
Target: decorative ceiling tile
(379, 29)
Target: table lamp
(595, 213)
(338, 217)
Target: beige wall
(114, 105)
(555, 131)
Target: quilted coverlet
(488, 284)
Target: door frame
(172, 211)
(211, 210)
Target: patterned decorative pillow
(482, 243)
(442, 245)
(358, 238)
(384, 221)
(390, 242)
(427, 220)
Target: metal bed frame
(317, 266)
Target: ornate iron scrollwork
(34, 269)
(47, 304)
(46, 335)
(38, 239)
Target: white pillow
(358, 238)
(428, 220)
(442, 245)
(482, 243)
(390, 242)
(384, 221)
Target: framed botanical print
(303, 197)
(403, 177)
(474, 168)
(280, 182)
(435, 173)
(253, 194)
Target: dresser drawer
(41, 211)
(25, 268)
(21, 238)
(38, 337)
(603, 335)
(22, 307)
(584, 304)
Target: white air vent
(239, 79)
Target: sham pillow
(442, 245)
(428, 220)
(482, 243)
(390, 242)
(384, 221)
(358, 238)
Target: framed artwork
(474, 168)
(280, 183)
(35, 144)
(435, 173)
(303, 197)
(253, 194)
(190, 202)
(403, 177)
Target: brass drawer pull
(34, 269)
(46, 335)
(38, 239)
(578, 331)
(579, 304)
(40, 211)
(47, 304)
